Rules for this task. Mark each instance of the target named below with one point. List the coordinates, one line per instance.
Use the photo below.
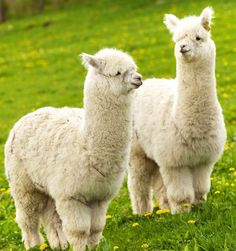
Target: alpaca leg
(76, 221)
(179, 185)
(28, 208)
(139, 182)
(53, 226)
(98, 222)
(159, 189)
(201, 182)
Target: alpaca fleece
(179, 130)
(65, 165)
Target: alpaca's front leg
(98, 222)
(159, 189)
(179, 185)
(76, 221)
(201, 182)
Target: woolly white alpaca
(65, 165)
(179, 130)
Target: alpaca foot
(56, 238)
(199, 198)
(142, 206)
(31, 239)
(163, 203)
(94, 239)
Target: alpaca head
(113, 71)
(192, 36)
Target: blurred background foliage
(18, 8)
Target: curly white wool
(179, 130)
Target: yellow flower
(227, 146)
(232, 169)
(156, 204)
(108, 216)
(147, 214)
(136, 224)
(145, 245)
(217, 192)
(115, 247)
(191, 221)
(163, 211)
(7, 191)
(232, 184)
(43, 246)
(2, 190)
(234, 173)
(186, 205)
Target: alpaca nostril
(138, 78)
(183, 48)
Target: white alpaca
(65, 165)
(179, 130)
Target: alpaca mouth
(184, 51)
(136, 85)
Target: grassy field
(39, 66)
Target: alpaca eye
(198, 38)
(118, 73)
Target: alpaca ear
(91, 60)
(206, 17)
(171, 22)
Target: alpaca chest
(191, 151)
(98, 187)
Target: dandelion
(136, 224)
(186, 205)
(108, 216)
(2, 190)
(234, 173)
(43, 246)
(147, 214)
(232, 169)
(232, 184)
(225, 95)
(191, 221)
(156, 204)
(7, 191)
(217, 192)
(226, 146)
(163, 211)
(115, 247)
(145, 245)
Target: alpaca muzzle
(184, 49)
(136, 80)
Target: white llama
(179, 130)
(65, 165)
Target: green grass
(40, 67)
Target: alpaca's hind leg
(159, 189)
(201, 182)
(28, 209)
(76, 221)
(139, 182)
(179, 185)
(53, 226)
(98, 221)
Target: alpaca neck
(107, 127)
(196, 93)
